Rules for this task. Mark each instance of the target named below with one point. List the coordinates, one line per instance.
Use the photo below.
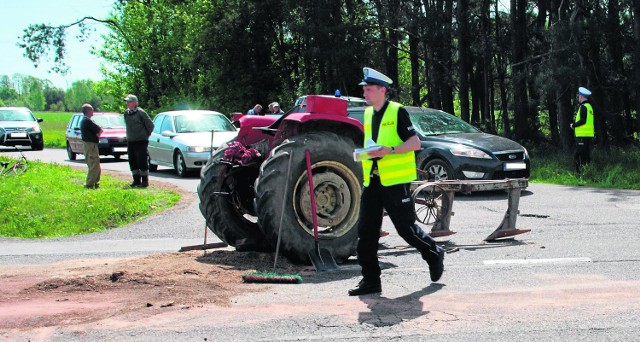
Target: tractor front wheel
(226, 200)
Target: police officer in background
(387, 178)
(584, 130)
(139, 127)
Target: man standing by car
(139, 127)
(90, 132)
(583, 129)
(387, 177)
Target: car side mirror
(40, 119)
(168, 133)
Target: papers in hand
(360, 154)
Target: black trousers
(399, 205)
(582, 155)
(137, 154)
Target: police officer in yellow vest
(387, 177)
(584, 130)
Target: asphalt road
(575, 276)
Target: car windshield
(15, 115)
(203, 123)
(434, 122)
(109, 121)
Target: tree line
(511, 67)
(40, 95)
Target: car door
(164, 142)
(153, 148)
(74, 136)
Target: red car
(113, 140)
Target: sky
(18, 14)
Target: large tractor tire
(337, 180)
(226, 200)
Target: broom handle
(286, 186)
(312, 194)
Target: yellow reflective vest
(587, 129)
(396, 168)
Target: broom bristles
(271, 277)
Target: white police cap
(584, 91)
(374, 77)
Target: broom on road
(273, 277)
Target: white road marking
(536, 261)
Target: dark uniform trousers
(396, 199)
(582, 155)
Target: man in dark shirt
(387, 178)
(139, 127)
(90, 138)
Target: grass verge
(616, 168)
(49, 201)
(54, 127)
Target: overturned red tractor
(249, 193)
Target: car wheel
(179, 164)
(38, 146)
(70, 154)
(117, 156)
(437, 169)
(152, 167)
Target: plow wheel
(430, 206)
(337, 182)
(226, 200)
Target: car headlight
(34, 129)
(198, 149)
(470, 152)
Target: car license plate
(19, 135)
(119, 149)
(514, 166)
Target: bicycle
(18, 168)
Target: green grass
(49, 201)
(54, 127)
(614, 168)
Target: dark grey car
(454, 149)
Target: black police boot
(145, 182)
(435, 259)
(136, 181)
(366, 287)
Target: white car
(18, 127)
(184, 139)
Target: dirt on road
(84, 291)
(77, 292)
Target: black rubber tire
(152, 167)
(117, 156)
(438, 169)
(226, 200)
(179, 164)
(38, 146)
(20, 168)
(337, 182)
(70, 154)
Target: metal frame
(427, 194)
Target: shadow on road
(386, 312)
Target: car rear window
(109, 121)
